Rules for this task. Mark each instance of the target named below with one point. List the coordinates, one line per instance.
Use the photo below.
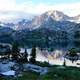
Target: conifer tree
(26, 56)
(33, 55)
(15, 51)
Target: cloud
(71, 9)
(7, 5)
(10, 9)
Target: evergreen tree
(33, 55)
(73, 54)
(64, 63)
(15, 51)
(26, 56)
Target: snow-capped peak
(57, 15)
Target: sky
(13, 9)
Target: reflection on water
(54, 58)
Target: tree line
(23, 57)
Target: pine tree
(26, 56)
(73, 54)
(15, 51)
(64, 63)
(33, 55)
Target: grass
(25, 76)
(68, 73)
(43, 64)
(28, 76)
(55, 73)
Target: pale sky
(11, 9)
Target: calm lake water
(57, 61)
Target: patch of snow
(35, 68)
(6, 67)
(9, 73)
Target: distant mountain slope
(48, 19)
(49, 29)
(5, 34)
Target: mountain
(60, 16)
(53, 28)
(57, 15)
(19, 20)
(7, 25)
(23, 24)
(50, 19)
(76, 19)
(16, 26)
